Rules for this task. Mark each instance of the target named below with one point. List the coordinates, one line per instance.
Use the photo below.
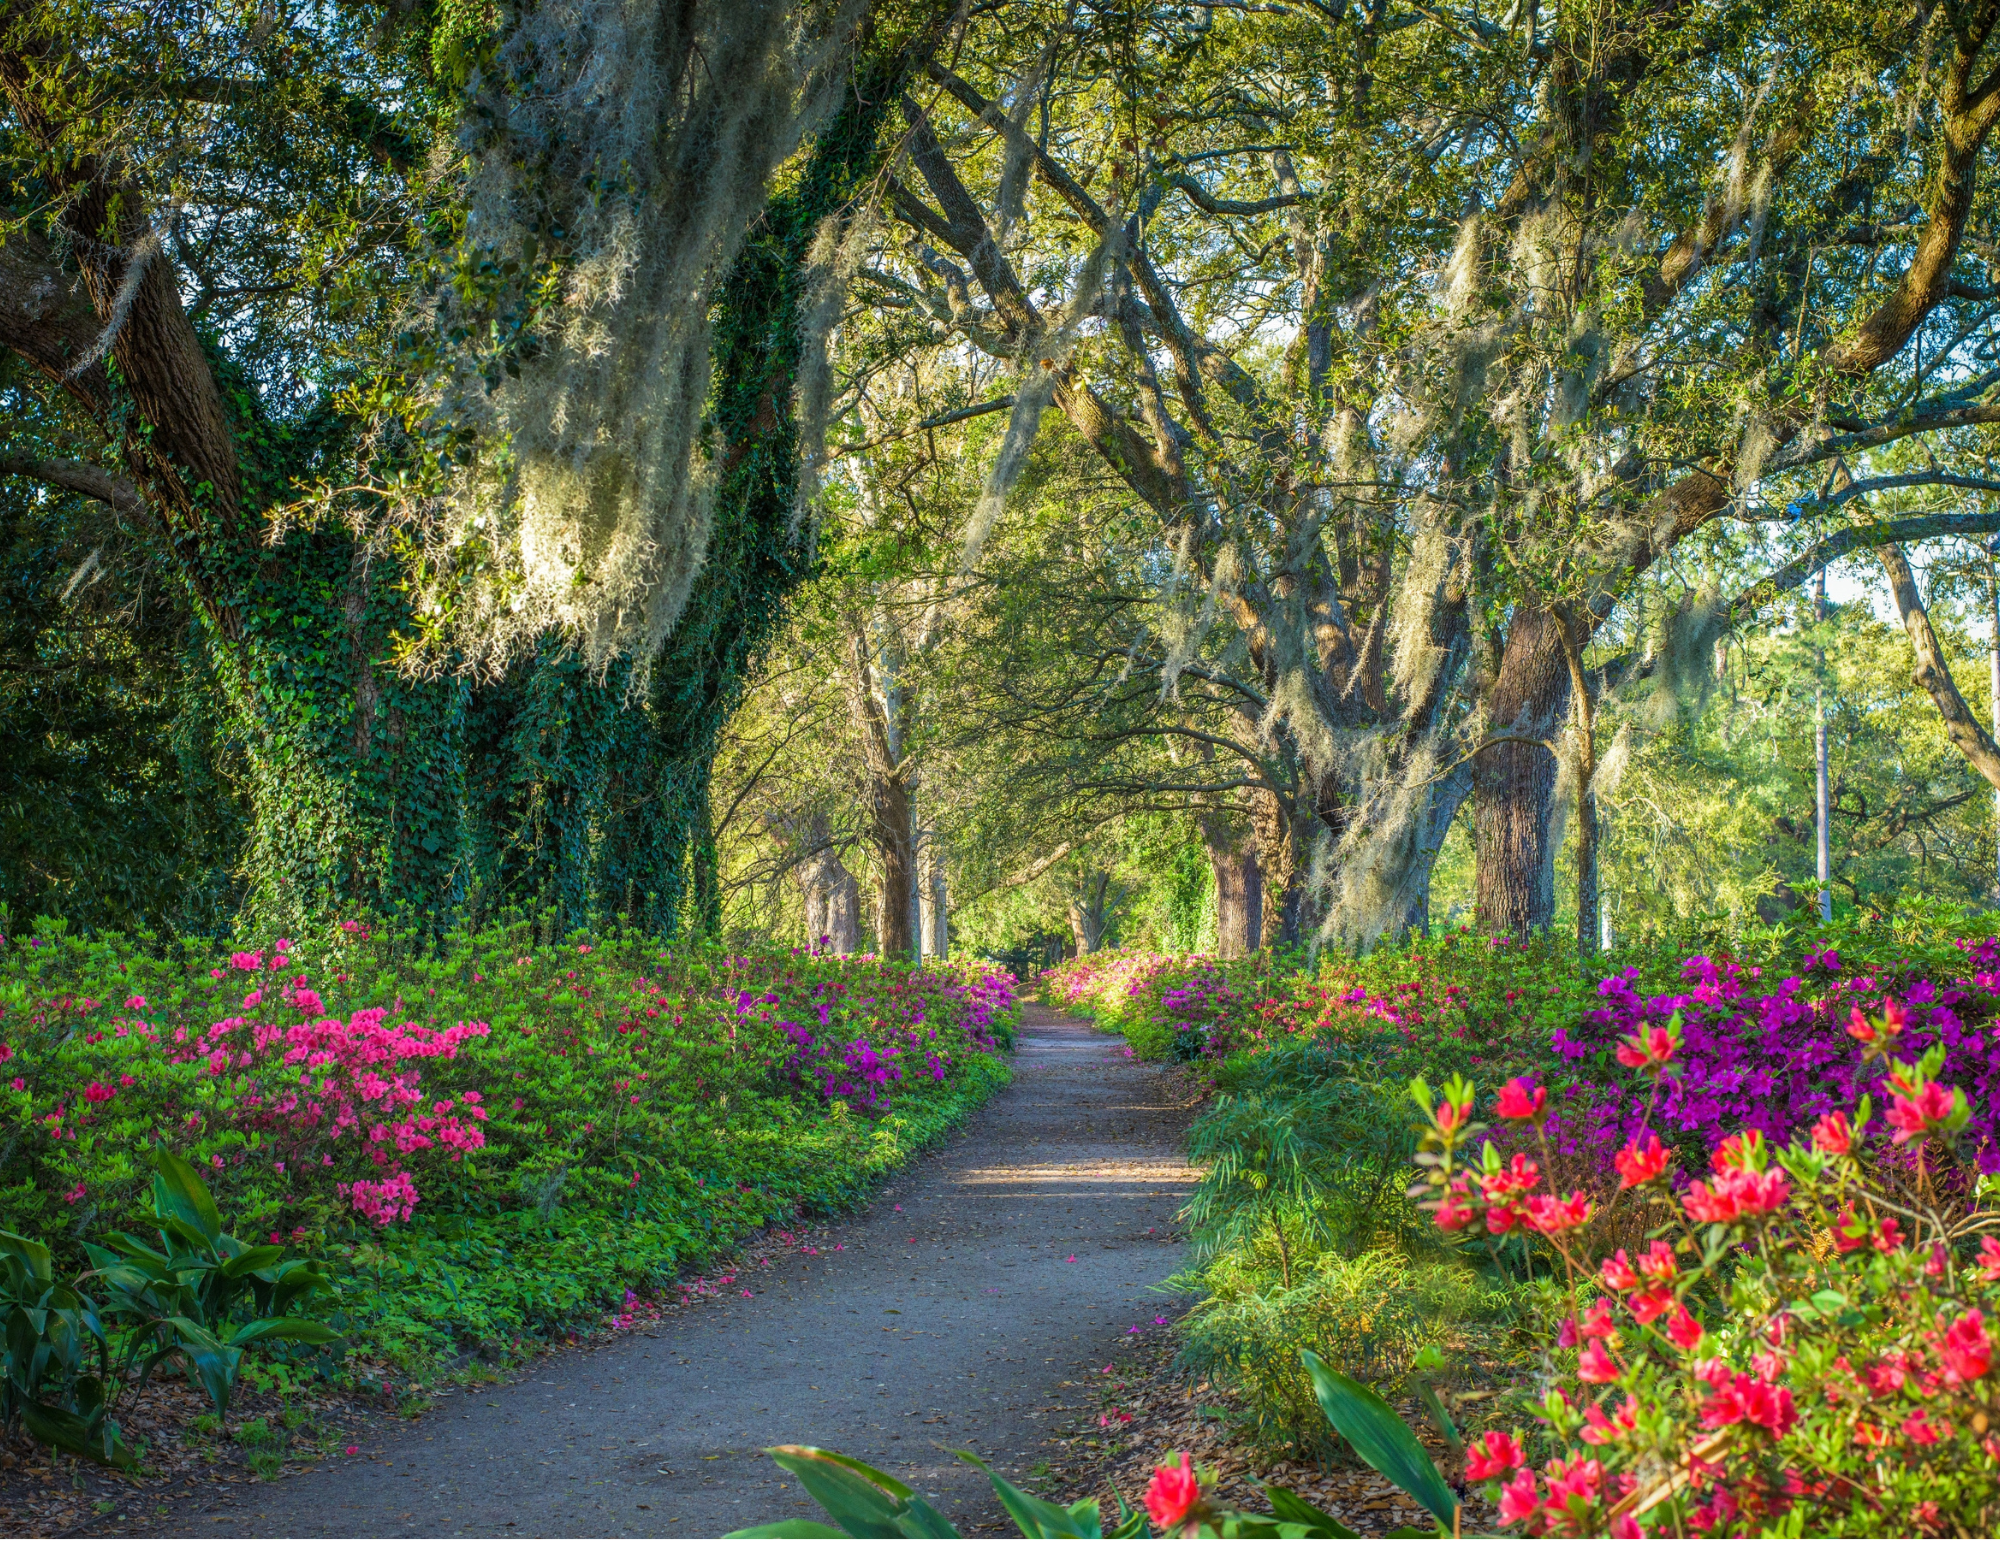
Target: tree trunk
(1239, 884)
(1933, 675)
(833, 904)
(1281, 861)
(895, 863)
(1092, 907)
(1585, 708)
(936, 925)
(1514, 780)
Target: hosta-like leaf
(307, 1329)
(863, 1500)
(180, 1195)
(31, 1253)
(790, 1529)
(70, 1432)
(1381, 1437)
(1295, 1509)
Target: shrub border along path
(946, 1316)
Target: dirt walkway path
(1000, 1266)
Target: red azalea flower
(1832, 1134)
(1641, 1163)
(1516, 1101)
(1966, 1349)
(1494, 1454)
(1683, 1330)
(1601, 1322)
(1552, 1217)
(1918, 1107)
(1519, 1500)
(1988, 1259)
(1453, 1210)
(1653, 1048)
(1601, 1430)
(1596, 1364)
(1174, 1493)
(1858, 1027)
(1737, 1195)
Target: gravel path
(998, 1267)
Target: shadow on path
(975, 1283)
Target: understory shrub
(1811, 1360)
(1371, 1316)
(494, 1134)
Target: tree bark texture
(1239, 883)
(1933, 675)
(1514, 780)
(891, 816)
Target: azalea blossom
(1174, 1492)
(1833, 1135)
(1654, 1047)
(1640, 1163)
(1494, 1454)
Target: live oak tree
(218, 230)
(1425, 337)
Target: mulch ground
(1095, 1450)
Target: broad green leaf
(1036, 1519)
(1447, 1427)
(180, 1195)
(790, 1529)
(1295, 1509)
(67, 1430)
(307, 1329)
(860, 1498)
(31, 1253)
(1381, 1437)
(251, 1261)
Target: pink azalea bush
(344, 1083)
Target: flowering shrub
(350, 1090)
(1772, 1054)
(1794, 1350)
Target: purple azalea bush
(855, 1050)
(1772, 1052)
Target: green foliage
(197, 1303)
(644, 1108)
(203, 1295)
(1379, 1435)
(868, 1504)
(49, 1384)
(1370, 1315)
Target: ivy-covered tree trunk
(552, 753)
(355, 776)
(759, 552)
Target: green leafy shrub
(1370, 1316)
(196, 1303)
